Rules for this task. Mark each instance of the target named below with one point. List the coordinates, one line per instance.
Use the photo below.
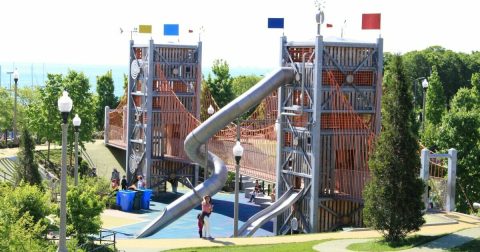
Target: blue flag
(170, 30)
(275, 23)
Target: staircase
(248, 186)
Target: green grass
(471, 246)
(282, 247)
(381, 245)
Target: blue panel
(275, 23)
(170, 30)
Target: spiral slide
(200, 135)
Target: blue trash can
(147, 193)
(126, 200)
(119, 193)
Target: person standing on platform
(115, 178)
(140, 183)
(207, 209)
(124, 182)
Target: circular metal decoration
(135, 69)
(349, 79)
(175, 71)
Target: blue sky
(88, 32)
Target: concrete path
(447, 242)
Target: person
(207, 209)
(255, 191)
(140, 183)
(272, 194)
(254, 194)
(115, 178)
(124, 182)
(200, 224)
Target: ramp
(262, 217)
(200, 135)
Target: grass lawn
(472, 246)
(282, 247)
(381, 245)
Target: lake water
(35, 74)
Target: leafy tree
(221, 85)
(6, 113)
(43, 115)
(106, 97)
(435, 99)
(27, 169)
(84, 206)
(393, 202)
(242, 83)
(22, 219)
(461, 130)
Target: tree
(220, 86)
(393, 202)
(27, 169)
(435, 99)
(242, 83)
(43, 115)
(84, 206)
(6, 113)
(78, 87)
(22, 219)
(106, 97)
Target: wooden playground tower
(314, 134)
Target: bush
(84, 207)
(230, 183)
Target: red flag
(371, 21)
(329, 25)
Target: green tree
(242, 83)
(393, 202)
(106, 97)
(43, 115)
(435, 99)
(221, 85)
(6, 113)
(27, 168)
(78, 87)
(22, 219)
(461, 130)
(84, 206)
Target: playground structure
(311, 133)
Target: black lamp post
(65, 106)
(238, 153)
(425, 86)
(15, 79)
(76, 124)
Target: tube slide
(262, 217)
(200, 135)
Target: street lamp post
(15, 79)
(76, 123)
(425, 86)
(65, 106)
(210, 112)
(237, 152)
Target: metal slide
(200, 135)
(283, 203)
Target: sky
(88, 32)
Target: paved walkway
(447, 242)
(470, 225)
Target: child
(200, 224)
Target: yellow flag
(145, 29)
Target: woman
(207, 209)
